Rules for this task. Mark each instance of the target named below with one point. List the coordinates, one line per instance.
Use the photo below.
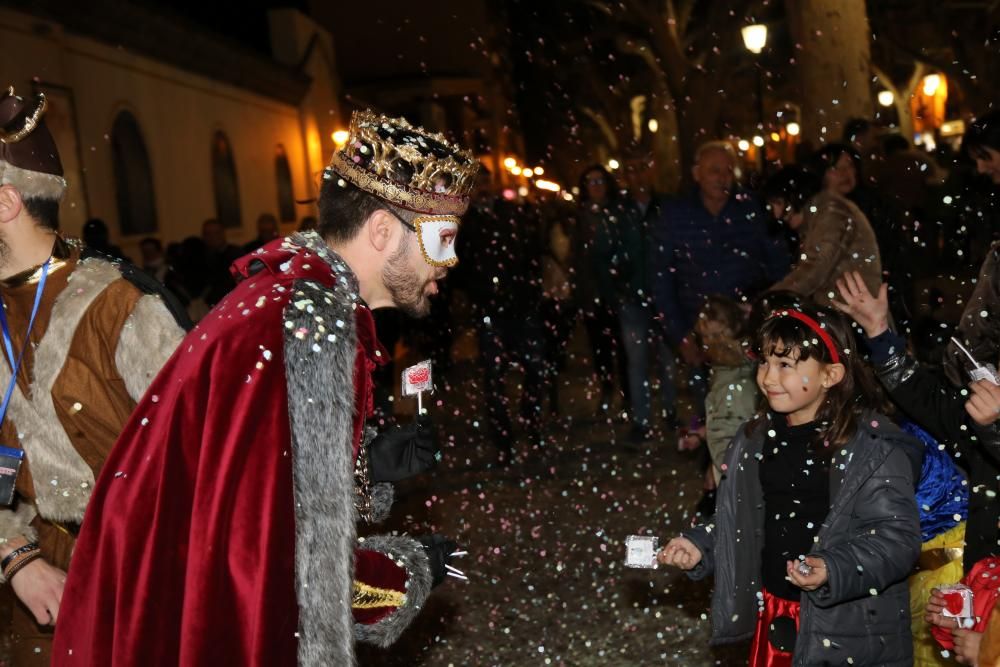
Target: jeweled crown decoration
(406, 165)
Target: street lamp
(340, 138)
(931, 83)
(755, 39)
(793, 129)
(886, 98)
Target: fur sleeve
(147, 340)
(410, 555)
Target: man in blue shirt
(712, 242)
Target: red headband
(815, 326)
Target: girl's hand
(984, 402)
(679, 552)
(967, 646)
(811, 581)
(932, 612)
(869, 310)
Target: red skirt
(774, 638)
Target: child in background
(963, 643)
(732, 390)
(816, 527)
(943, 503)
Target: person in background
(963, 418)
(154, 261)
(558, 308)
(839, 169)
(732, 396)
(713, 241)
(965, 641)
(502, 274)
(943, 502)
(267, 231)
(98, 238)
(834, 235)
(219, 256)
(642, 339)
(597, 255)
(863, 136)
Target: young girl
(816, 527)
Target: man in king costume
(83, 338)
(223, 529)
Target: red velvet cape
(186, 555)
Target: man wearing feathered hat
(83, 338)
(243, 471)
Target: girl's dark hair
(845, 402)
(609, 182)
(983, 133)
(827, 157)
(794, 186)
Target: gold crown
(405, 165)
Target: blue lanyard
(15, 364)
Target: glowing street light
(886, 98)
(542, 184)
(754, 37)
(613, 164)
(653, 125)
(793, 129)
(931, 83)
(775, 136)
(515, 170)
(527, 172)
(340, 137)
(510, 163)
(539, 171)
(758, 141)
(743, 145)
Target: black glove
(403, 451)
(438, 549)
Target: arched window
(227, 191)
(283, 174)
(133, 177)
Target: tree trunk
(666, 146)
(834, 64)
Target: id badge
(640, 551)
(10, 466)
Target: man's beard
(4, 252)
(404, 287)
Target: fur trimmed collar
(320, 348)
